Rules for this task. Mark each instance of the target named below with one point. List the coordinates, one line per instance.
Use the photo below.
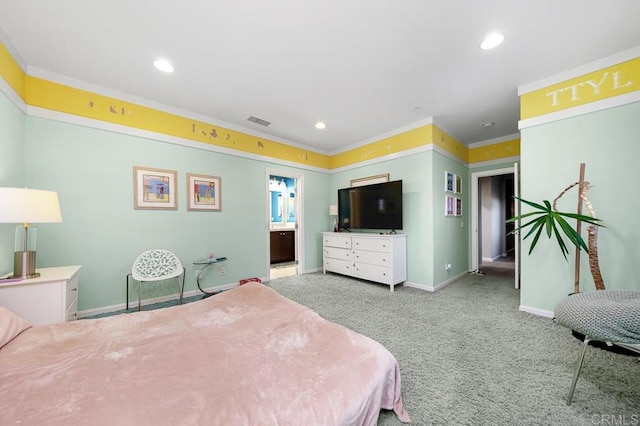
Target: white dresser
(50, 298)
(373, 257)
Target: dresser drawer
(372, 244)
(339, 266)
(337, 241)
(372, 257)
(338, 253)
(72, 299)
(373, 273)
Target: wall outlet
(223, 270)
(447, 267)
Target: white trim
(590, 67)
(395, 132)
(494, 141)
(12, 95)
(133, 305)
(299, 234)
(103, 91)
(449, 155)
(506, 160)
(437, 286)
(393, 156)
(473, 260)
(536, 311)
(615, 101)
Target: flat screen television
(377, 206)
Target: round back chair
(156, 265)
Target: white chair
(156, 265)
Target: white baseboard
(437, 286)
(536, 311)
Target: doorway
(284, 217)
(493, 249)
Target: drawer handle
(74, 289)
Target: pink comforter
(245, 357)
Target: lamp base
(24, 265)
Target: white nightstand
(50, 298)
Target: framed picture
(458, 187)
(204, 192)
(449, 206)
(154, 189)
(458, 207)
(449, 181)
(370, 180)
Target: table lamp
(27, 206)
(333, 212)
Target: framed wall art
(449, 181)
(458, 207)
(204, 192)
(154, 189)
(370, 180)
(449, 206)
(458, 187)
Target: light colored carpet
(469, 357)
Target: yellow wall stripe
(58, 97)
(449, 144)
(606, 83)
(11, 72)
(391, 145)
(494, 151)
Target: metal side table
(205, 263)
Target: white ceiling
(365, 67)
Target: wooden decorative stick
(576, 283)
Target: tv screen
(377, 206)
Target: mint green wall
(11, 169)
(415, 173)
(608, 142)
(92, 170)
(450, 233)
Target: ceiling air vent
(259, 121)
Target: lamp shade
(333, 210)
(23, 205)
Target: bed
(247, 356)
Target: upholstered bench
(611, 316)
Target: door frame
(299, 227)
(475, 180)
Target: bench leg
(577, 372)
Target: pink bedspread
(245, 357)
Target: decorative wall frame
(154, 189)
(449, 206)
(370, 180)
(449, 181)
(458, 187)
(204, 192)
(458, 207)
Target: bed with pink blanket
(247, 356)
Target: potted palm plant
(545, 217)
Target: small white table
(48, 299)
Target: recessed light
(163, 65)
(488, 124)
(491, 41)
(320, 125)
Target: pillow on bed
(10, 326)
